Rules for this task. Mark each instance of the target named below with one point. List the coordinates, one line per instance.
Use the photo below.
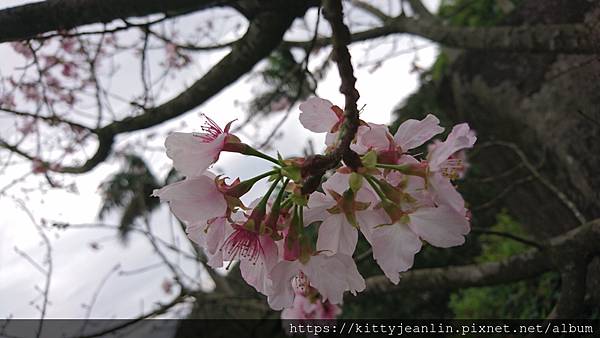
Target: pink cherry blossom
(331, 276)
(461, 137)
(310, 308)
(410, 134)
(194, 200)
(211, 236)
(441, 168)
(455, 166)
(395, 245)
(441, 226)
(319, 115)
(193, 153)
(256, 251)
(167, 286)
(257, 273)
(394, 248)
(373, 136)
(414, 133)
(336, 232)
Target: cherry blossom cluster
(297, 248)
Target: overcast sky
(79, 269)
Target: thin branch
(420, 9)
(49, 119)
(367, 7)
(508, 235)
(303, 74)
(90, 306)
(192, 47)
(534, 171)
(315, 167)
(134, 229)
(498, 197)
(162, 308)
(46, 289)
(264, 35)
(31, 261)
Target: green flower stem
(287, 203)
(265, 199)
(298, 217)
(277, 204)
(243, 187)
(253, 152)
(261, 176)
(400, 168)
(372, 181)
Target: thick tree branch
(27, 21)
(518, 267)
(576, 246)
(572, 291)
(561, 39)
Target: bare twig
(498, 197)
(48, 261)
(367, 7)
(420, 9)
(534, 171)
(508, 235)
(90, 306)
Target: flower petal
(461, 137)
(257, 274)
(394, 249)
(193, 200)
(444, 193)
(334, 275)
(372, 137)
(442, 226)
(317, 115)
(191, 156)
(337, 235)
(368, 220)
(281, 293)
(413, 133)
(316, 210)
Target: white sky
(78, 269)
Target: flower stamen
(243, 244)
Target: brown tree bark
(537, 116)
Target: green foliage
(476, 12)
(525, 299)
(129, 191)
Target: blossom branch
(316, 166)
(263, 35)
